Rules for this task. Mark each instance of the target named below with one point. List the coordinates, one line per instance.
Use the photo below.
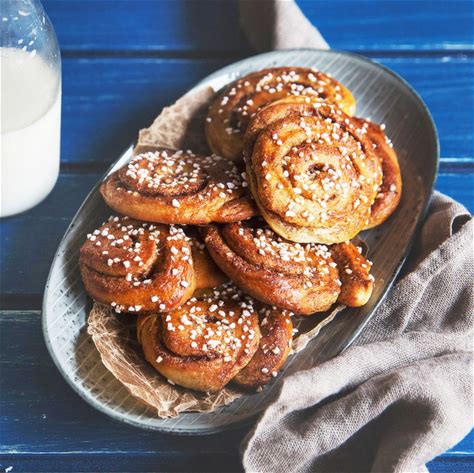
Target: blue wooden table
(122, 62)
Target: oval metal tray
(382, 96)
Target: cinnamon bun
(390, 191)
(304, 278)
(276, 330)
(312, 171)
(232, 109)
(139, 267)
(178, 187)
(204, 343)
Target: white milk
(30, 130)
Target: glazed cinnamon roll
(312, 171)
(390, 191)
(276, 330)
(303, 278)
(232, 109)
(166, 186)
(141, 268)
(203, 344)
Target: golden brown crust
(141, 268)
(276, 330)
(137, 267)
(316, 174)
(178, 187)
(205, 343)
(207, 273)
(357, 283)
(312, 171)
(303, 278)
(390, 191)
(273, 112)
(300, 278)
(232, 110)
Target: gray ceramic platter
(381, 96)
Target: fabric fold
(278, 24)
(403, 393)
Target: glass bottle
(30, 68)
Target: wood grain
(52, 429)
(396, 25)
(205, 26)
(107, 100)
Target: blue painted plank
(459, 186)
(451, 465)
(106, 101)
(179, 462)
(143, 25)
(26, 254)
(37, 233)
(45, 426)
(447, 86)
(403, 25)
(213, 25)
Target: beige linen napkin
(403, 393)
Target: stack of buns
(216, 255)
